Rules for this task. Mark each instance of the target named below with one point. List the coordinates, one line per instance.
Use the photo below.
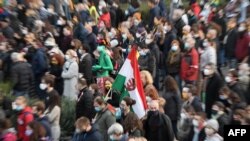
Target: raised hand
(130, 86)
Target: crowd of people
(193, 60)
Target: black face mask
(214, 112)
(153, 113)
(49, 47)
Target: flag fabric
(128, 82)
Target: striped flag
(128, 82)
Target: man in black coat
(158, 126)
(85, 64)
(85, 101)
(230, 41)
(213, 84)
(155, 11)
(22, 77)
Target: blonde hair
(149, 78)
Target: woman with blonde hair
(146, 78)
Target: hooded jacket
(8, 135)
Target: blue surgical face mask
(186, 47)
(112, 138)
(98, 109)
(174, 48)
(19, 108)
(118, 113)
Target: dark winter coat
(84, 105)
(56, 70)
(237, 88)
(148, 62)
(92, 135)
(22, 76)
(154, 12)
(46, 124)
(85, 67)
(214, 84)
(158, 127)
(230, 44)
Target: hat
(212, 123)
(50, 42)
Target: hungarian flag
(128, 82)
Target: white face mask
(205, 44)
(124, 37)
(174, 48)
(59, 22)
(207, 72)
(148, 41)
(67, 57)
(111, 35)
(138, 35)
(43, 86)
(136, 22)
(78, 130)
(209, 131)
(228, 79)
(28, 132)
(195, 123)
(241, 28)
(148, 99)
(183, 116)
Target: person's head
(189, 91)
(232, 76)
(47, 82)
(132, 122)
(154, 105)
(186, 29)
(30, 38)
(248, 110)
(199, 119)
(212, 127)
(137, 18)
(137, 139)
(108, 83)
(70, 54)
(146, 78)
(187, 112)
(171, 84)
(35, 131)
(20, 103)
(38, 108)
(211, 34)
(231, 24)
(99, 104)
(5, 22)
(175, 45)
(149, 39)
(93, 88)
(152, 3)
(224, 93)
(209, 69)
(67, 30)
(157, 20)
(5, 124)
(57, 59)
(126, 104)
(85, 48)
(76, 44)
(217, 108)
(62, 20)
(16, 57)
(115, 132)
(82, 125)
(151, 93)
(50, 43)
(190, 43)
(238, 116)
(82, 83)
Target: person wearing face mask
(147, 60)
(190, 63)
(125, 106)
(233, 84)
(111, 96)
(116, 133)
(238, 117)
(211, 130)
(67, 38)
(207, 54)
(199, 123)
(36, 132)
(7, 131)
(85, 100)
(52, 47)
(85, 131)
(157, 125)
(242, 45)
(70, 75)
(104, 117)
(38, 111)
(213, 83)
(154, 49)
(173, 61)
(25, 116)
(85, 63)
(219, 115)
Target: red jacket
(9, 136)
(24, 118)
(196, 9)
(189, 65)
(241, 49)
(106, 19)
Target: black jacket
(85, 67)
(222, 120)
(56, 70)
(158, 127)
(179, 24)
(231, 43)
(92, 135)
(46, 124)
(214, 84)
(172, 107)
(148, 62)
(154, 12)
(22, 76)
(237, 88)
(84, 105)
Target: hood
(26, 110)
(10, 130)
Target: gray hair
(116, 128)
(15, 56)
